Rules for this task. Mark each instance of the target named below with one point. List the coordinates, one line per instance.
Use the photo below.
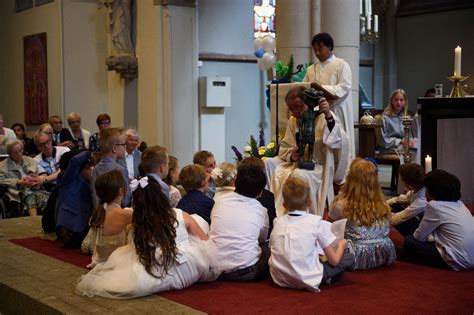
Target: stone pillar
(340, 18)
(167, 82)
(153, 93)
(294, 31)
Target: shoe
(49, 236)
(333, 280)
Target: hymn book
(338, 228)
(328, 95)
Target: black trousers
(424, 253)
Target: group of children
(224, 227)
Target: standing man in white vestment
(333, 74)
(331, 154)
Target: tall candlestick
(428, 167)
(368, 7)
(457, 61)
(362, 22)
(376, 23)
(369, 22)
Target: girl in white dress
(109, 221)
(172, 180)
(224, 177)
(163, 255)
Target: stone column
(340, 18)
(293, 30)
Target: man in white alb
(333, 74)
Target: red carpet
(55, 250)
(401, 289)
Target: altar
(447, 135)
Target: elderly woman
(103, 122)
(20, 175)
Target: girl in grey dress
(362, 203)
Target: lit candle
(428, 167)
(368, 3)
(457, 61)
(369, 22)
(376, 23)
(361, 5)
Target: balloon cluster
(264, 50)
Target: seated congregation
(150, 226)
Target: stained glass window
(264, 18)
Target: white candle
(428, 167)
(457, 61)
(361, 5)
(369, 22)
(368, 7)
(362, 22)
(376, 23)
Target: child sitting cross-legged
(109, 220)
(408, 209)
(195, 181)
(297, 240)
(239, 229)
(362, 203)
(445, 237)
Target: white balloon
(257, 43)
(269, 59)
(269, 43)
(261, 65)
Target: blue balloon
(259, 52)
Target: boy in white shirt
(239, 228)
(297, 240)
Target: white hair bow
(143, 182)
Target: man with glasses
(330, 154)
(48, 159)
(112, 147)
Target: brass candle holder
(406, 121)
(457, 90)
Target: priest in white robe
(333, 74)
(331, 154)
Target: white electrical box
(214, 91)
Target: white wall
(227, 27)
(85, 73)
(15, 26)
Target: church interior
(189, 76)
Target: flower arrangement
(255, 149)
(224, 174)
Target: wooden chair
(368, 148)
(387, 159)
